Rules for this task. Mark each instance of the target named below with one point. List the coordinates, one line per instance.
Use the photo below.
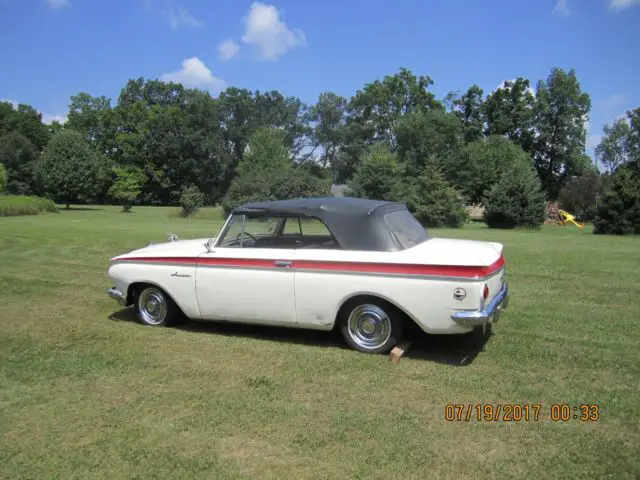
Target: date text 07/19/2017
(525, 412)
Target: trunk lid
(453, 251)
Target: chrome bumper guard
(117, 295)
(491, 312)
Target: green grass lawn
(85, 392)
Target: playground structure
(557, 216)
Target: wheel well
(346, 305)
(134, 289)
(137, 287)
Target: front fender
(177, 281)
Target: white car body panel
(244, 294)
(246, 285)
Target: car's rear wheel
(155, 308)
(371, 326)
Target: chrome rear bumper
(117, 295)
(490, 313)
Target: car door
(247, 281)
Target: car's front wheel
(155, 308)
(371, 326)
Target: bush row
(12, 205)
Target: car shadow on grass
(453, 350)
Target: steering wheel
(242, 234)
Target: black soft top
(356, 223)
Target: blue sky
(51, 49)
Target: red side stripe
(384, 268)
(402, 269)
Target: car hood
(453, 251)
(180, 248)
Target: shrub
(431, 199)
(127, 186)
(291, 182)
(191, 200)
(580, 195)
(13, 205)
(619, 209)
(515, 200)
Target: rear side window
(405, 228)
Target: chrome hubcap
(369, 326)
(152, 306)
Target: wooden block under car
(398, 351)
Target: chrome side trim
(117, 295)
(443, 278)
(490, 313)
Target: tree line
(511, 149)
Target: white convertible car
(365, 266)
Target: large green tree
(468, 107)
(19, 156)
(175, 136)
(71, 170)
(621, 142)
(329, 118)
(560, 114)
(243, 112)
(423, 135)
(25, 120)
(382, 104)
(93, 117)
(476, 167)
(266, 173)
(266, 151)
(510, 111)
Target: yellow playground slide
(567, 217)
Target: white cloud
(619, 5)
(227, 50)
(179, 17)
(562, 8)
(272, 38)
(194, 73)
(58, 4)
(13, 103)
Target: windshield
(243, 231)
(405, 228)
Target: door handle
(282, 263)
